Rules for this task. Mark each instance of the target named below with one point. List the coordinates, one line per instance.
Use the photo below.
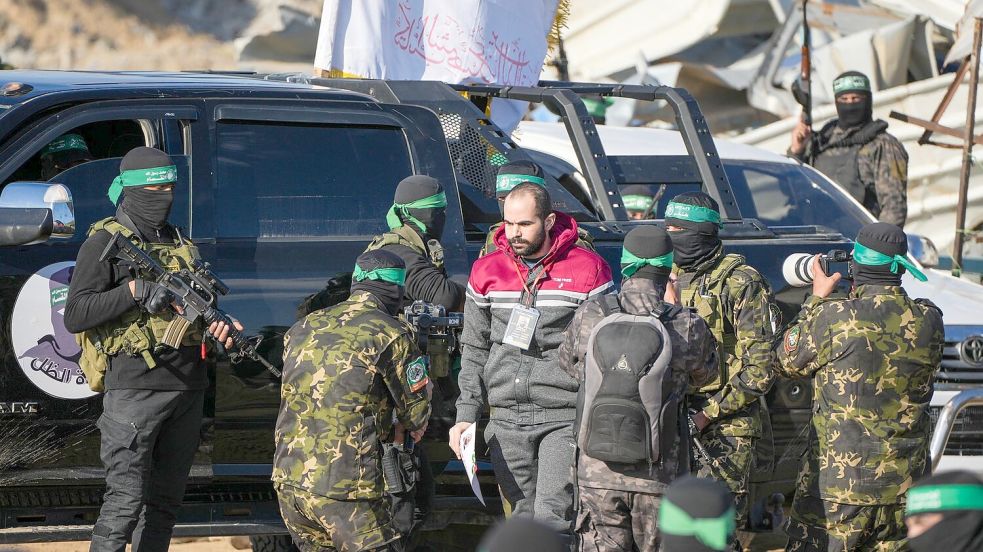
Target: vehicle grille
(955, 368)
(966, 438)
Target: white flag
(455, 41)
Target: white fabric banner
(455, 41)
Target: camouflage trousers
(731, 461)
(320, 524)
(816, 525)
(613, 521)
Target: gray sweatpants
(149, 439)
(534, 467)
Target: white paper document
(470, 463)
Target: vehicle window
(101, 140)
(306, 180)
(89, 184)
(663, 194)
(777, 194)
(781, 194)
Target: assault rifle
(195, 291)
(802, 87)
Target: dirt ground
(210, 544)
(232, 544)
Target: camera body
(435, 333)
(798, 271)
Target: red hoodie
(525, 386)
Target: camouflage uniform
(619, 504)
(872, 357)
(584, 239)
(737, 304)
(869, 163)
(346, 369)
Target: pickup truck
(787, 196)
(283, 180)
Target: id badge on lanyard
(524, 318)
(522, 326)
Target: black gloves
(151, 296)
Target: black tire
(273, 543)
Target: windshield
(779, 195)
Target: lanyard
(535, 276)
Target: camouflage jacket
(345, 370)
(879, 179)
(694, 360)
(584, 239)
(748, 314)
(872, 357)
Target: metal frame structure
(947, 419)
(564, 98)
(583, 133)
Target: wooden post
(974, 80)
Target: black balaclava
(699, 498)
(638, 199)
(511, 175)
(389, 294)
(148, 209)
(649, 242)
(959, 530)
(416, 187)
(853, 114)
(698, 241)
(887, 239)
(517, 534)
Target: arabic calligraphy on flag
(455, 41)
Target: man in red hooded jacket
(520, 299)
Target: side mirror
(923, 250)
(32, 212)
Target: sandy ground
(218, 544)
(212, 544)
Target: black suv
(282, 182)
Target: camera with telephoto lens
(435, 335)
(798, 272)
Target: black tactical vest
(838, 160)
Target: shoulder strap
(665, 312)
(111, 225)
(727, 264)
(610, 304)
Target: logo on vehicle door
(971, 350)
(47, 353)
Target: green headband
(141, 177)
(433, 202)
(867, 256)
(392, 275)
(597, 107)
(630, 263)
(637, 202)
(938, 498)
(505, 182)
(65, 143)
(712, 532)
(692, 213)
(851, 83)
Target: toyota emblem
(971, 351)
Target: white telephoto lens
(797, 270)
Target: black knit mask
(690, 247)
(149, 209)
